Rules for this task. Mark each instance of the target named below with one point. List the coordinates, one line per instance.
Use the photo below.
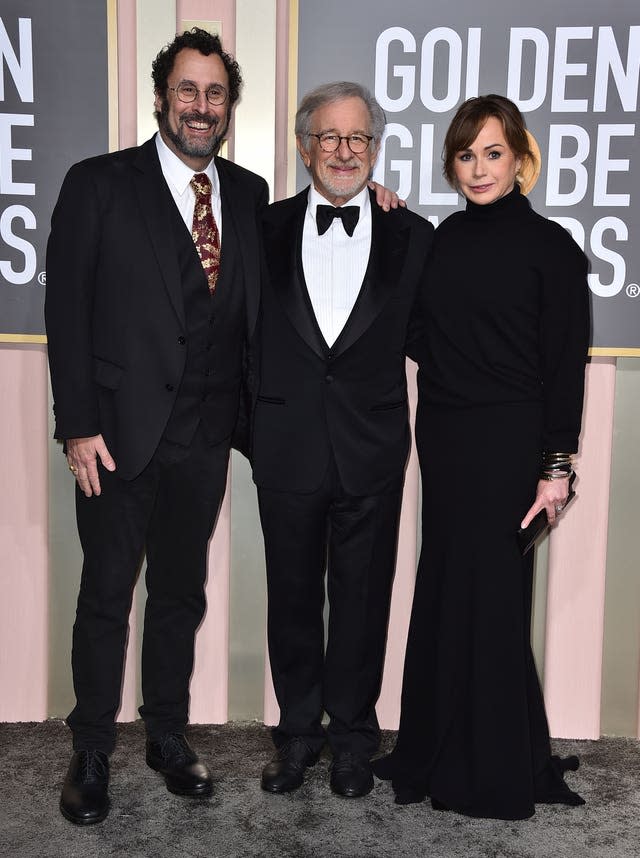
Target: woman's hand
(551, 495)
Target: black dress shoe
(85, 792)
(286, 770)
(178, 764)
(351, 775)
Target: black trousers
(169, 512)
(355, 540)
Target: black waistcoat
(215, 330)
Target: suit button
(212, 319)
(181, 341)
(208, 372)
(328, 379)
(169, 387)
(329, 355)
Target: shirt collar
(361, 200)
(178, 174)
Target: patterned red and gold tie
(205, 230)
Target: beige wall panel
(621, 658)
(65, 558)
(539, 618)
(248, 587)
(254, 148)
(255, 113)
(156, 26)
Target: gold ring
(73, 469)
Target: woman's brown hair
(468, 121)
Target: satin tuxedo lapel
(242, 210)
(386, 262)
(283, 241)
(155, 201)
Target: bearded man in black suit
(152, 292)
(331, 435)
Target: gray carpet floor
(241, 820)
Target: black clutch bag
(539, 524)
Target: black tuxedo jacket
(114, 305)
(350, 400)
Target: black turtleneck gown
(504, 326)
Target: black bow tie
(348, 215)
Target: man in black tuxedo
(152, 291)
(331, 435)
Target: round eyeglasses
(188, 92)
(329, 142)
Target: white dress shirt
(178, 177)
(334, 264)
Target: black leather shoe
(351, 775)
(285, 772)
(178, 764)
(85, 792)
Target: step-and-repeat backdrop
(573, 70)
(53, 111)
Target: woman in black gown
(504, 322)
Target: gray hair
(338, 91)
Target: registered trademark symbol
(42, 278)
(633, 290)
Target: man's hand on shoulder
(385, 198)
(82, 456)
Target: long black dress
(505, 323)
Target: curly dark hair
(198, 40)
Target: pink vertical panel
(577, 568)
(388, 707)
(127, 65)
(23, 534)
(210, 10)
(210, 679)
(127, 123)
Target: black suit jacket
(349, 400)
(114, 307)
